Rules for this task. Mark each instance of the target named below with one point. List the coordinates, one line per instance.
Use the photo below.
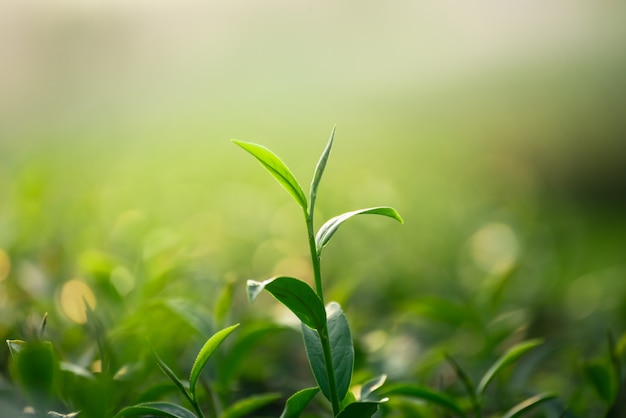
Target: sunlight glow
(75, 296)
(494, 248)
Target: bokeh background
(497, 130)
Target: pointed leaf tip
(277, 168)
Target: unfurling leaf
(319, 170)
(298, 402)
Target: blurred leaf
(224, 302)
(15, 346)
(509, 357)
(298, 402)
(370, 386)
(359, 410)
(530, 403)
(295, 295)
(418, 392)
(156, 409)
(245, 406)
(319, 169)
(342, 352)
(205, 353)
(465, 379)
(277, 168)
(327, 230)
(36, 367)
(172, 376)
(191, 313)
(602, 380)
(60, 415)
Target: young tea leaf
(172, 376)
(327, 230)
(295, 295)
(602, 380)
(425, 394)
(155, 409)
(370, 386)
(359, 410)
(205, 353)
(462, 374)
(528, 404)
(509, 357)
(245, 406)
(319, 171)
(298, 402)
(341, 348)
(277, 168)
(15, 346)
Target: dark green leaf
(327, 230)
(418, 392)
(342, 352)
(509, 357)
(156, 409)
(172, 376)
(370, 386)
(295, 295)
(205, 353)
(602, 380)
(359, 410)
(245, 406)
(37, 366)
(319, 170)
(528, 404)
(298, 402)
(462, 374)
(277, 168)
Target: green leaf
(327, 230)
(15, 346)
(295, 295)
(60, 415)
(277, 168)
(341, 348)
(462, 374)
(418, 392)
(172, 376)
(245, 406)
(205, 353)
(155, 409)
(319, 170)
(298, 402)
(37, 367)
(370, 386)
(359, 410)
(509, 357)
(602, 380)
(530, 403)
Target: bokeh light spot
(75, 296)
(494, 248)
(5, 265)
(583, 296)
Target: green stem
(324, 335)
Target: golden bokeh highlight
(76, 295)
(495, 248)
(5, 265)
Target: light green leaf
(245, 406)
(341, 348)
(370, 386)
(295, 295)
(277, 168)
(205, 353)
(155, 409)
(298, 402)
(319, 171)
(172, 376)
(507, 358)
(359, 410)
(327, 230)
(15, 346)
(418, 392)
(60, 415)
(530, 403)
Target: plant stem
(324, 335)
(315, 259)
